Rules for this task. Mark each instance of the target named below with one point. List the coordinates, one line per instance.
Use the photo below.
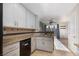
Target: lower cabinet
(13, 53)
(33, 44)
(11, 50)
(44, 43)
(41, 43)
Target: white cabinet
(33, 44)
(30, 20)
(44, 43)
(39, 43)
(15, 15)
(11, 50)
(33, 21)
(8, 15)
(13, 53)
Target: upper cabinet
(15, 15)
(30, 22)
(8, 15)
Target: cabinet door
(39, 43)
(33, 44)
(48, 44)
(8, 15)
(10, 50)
(13, 53)
(14, 15)
(44, 44)
(30, 20)
(28, 24)
(20, 16)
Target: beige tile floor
(61, 53)
(54, 53)
(41, 53)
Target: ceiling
(50, 10)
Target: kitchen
(22, 35)
(30, 29)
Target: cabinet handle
(26, 44)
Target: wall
(73, 29)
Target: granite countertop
(17, 33)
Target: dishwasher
(25, 47)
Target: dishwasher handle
(26, 44)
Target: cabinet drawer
(13, 53)
(10, 48)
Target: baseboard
(45, 51)
(33, 51)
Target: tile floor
(54, 53)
